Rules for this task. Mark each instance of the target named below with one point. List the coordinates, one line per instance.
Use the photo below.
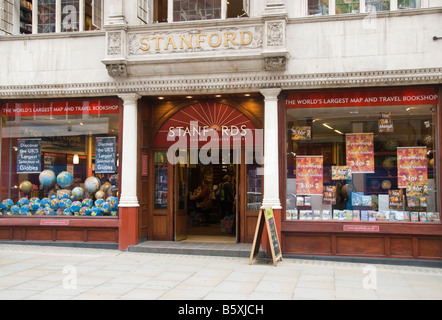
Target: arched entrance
(205, 161)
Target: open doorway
(212, 203)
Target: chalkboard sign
(29, 156)
(266, 217)
(105, 154)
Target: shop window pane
(62, 156)
(377, 5)
(46, 16)
(70, 15)
(317, 7)
(362, 156)
(189, 10)
(161, 180)
(408, 4)
(347, 6)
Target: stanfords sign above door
(203, 40)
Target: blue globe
(92, 184)
(7, 204)
(15, 209)
(24, 211)
(64, 203)
(75, 206)
(47, 178)
(78, 193)
(96, 212)
(87, 203)
(65, 179)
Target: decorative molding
(227, 83)
(114, 43)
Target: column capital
(271, 93)
(129, 97)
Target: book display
(161, 179)
(26, 16)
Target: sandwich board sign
(266, 218)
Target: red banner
(360, 152)
(412, 169)
(60, 108)
(362, 98)
(309, 175)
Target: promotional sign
(412, 167)
(360, 152)
(105, 150)
(341, 173)
(309, 175)
(29, 156)
(385, 122)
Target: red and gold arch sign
(208, 122)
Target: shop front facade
(330, 119)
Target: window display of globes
(47, 178)
(25, 187)
(92, 184)
(65, 179)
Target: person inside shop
(204, 201)
(227, 198)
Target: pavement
(34, 272)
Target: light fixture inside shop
(76, 159)
(327, 126)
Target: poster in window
(105, 148)
(360, 152)
(412, 169)
(29, 156)
(309, 175)
(385, 122)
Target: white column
(129, 157)
(271, 152)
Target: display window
(366, 155)
(60, 158)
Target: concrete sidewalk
(29, 272)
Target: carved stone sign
(201, 40)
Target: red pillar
(128, 227)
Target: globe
(34, 203)
(96, 212)
(24, 211)
(65, 179)
(78, 193)
(25, 187)
(99, 202)
(23, 202)
(15, 209)
(67, 212)
(47, 178)
(63, 194)
(7, 204)
(92, 184)
(40, 212)
(113, 179)
(64, 203)
(99, 195)
(113, 202)
(45, 202)
(75, 206)
(88, 203)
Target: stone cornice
(226, 84)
